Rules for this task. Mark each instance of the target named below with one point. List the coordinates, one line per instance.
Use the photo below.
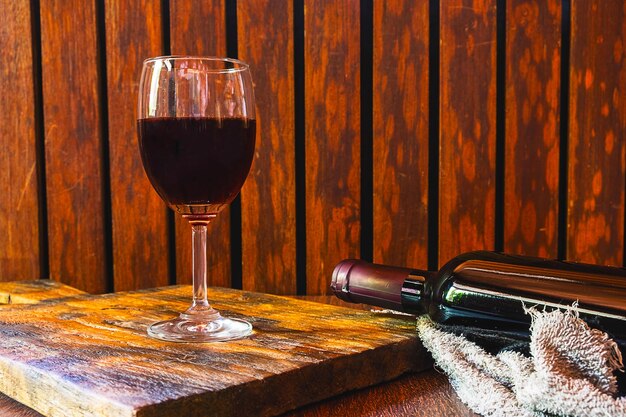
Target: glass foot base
(207, 327)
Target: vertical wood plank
(140, 247)
(19, 240)
(73, 144)
(531, 191)
(199, 28)
(332, 129)
(401, 132)
(268, 209)
(597, 125)
(467, 127)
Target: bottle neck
(413, 296)
(400, 289)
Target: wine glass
(196, 125)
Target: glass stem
(198, 251)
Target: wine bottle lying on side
(490, 290)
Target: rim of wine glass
(241, 66)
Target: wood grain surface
(11, 408)
(467, 127)
(32, 292)
(19, 223)
(140, 244)
(533, 52)
(401, 79)
(597, 125)
(199, 28)
(29, 292)
(93, 353)
(426, 394)
(268, 209)
(73, 144)
(332, 129)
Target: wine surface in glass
(197, 163)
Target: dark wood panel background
(332, 135)
(400, 143)
(139, 224)
(19, 203)
(596, 141)
(533, 39)
(467, 127)
(73, 144)
(268, 211)
(408, 131)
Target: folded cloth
(569, 371)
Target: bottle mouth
(339, 282)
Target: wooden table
(423, 394)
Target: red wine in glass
(197, 161)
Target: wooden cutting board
(89, 355)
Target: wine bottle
(490, 290)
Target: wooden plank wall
(405, 131)
(533, 109)
(20, 221)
